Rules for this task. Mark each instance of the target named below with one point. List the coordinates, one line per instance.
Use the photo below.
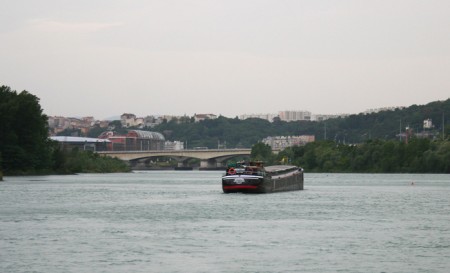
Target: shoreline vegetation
(75, 161)
(25, 148)
(373, 156)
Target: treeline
(76, 161)
(373, 156)
(25, 147)
(353, 129)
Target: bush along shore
(374, 156)
(75, 161)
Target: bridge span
(209, 158)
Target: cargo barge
(255, 178)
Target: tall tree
(24, 143)
(262, 152)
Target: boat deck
(278, 168)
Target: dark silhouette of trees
(373, 156)
(262, 152)
(353, 129)
(26, 149)
(24, 143)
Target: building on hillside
(58, 124)
(268, 117)
(428, 124)
(174, 145)
(130, 120)
(102, 123)
(294, 115)
(320, 117)
(127, 119)
(281, 142)
(152, 121)
(134, 140)
(200, 117)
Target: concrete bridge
(209, 158)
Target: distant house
(427, 124)
(128, 120)
(200, 117)
(58, 124)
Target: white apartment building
(294, 115)
(281, 142)
(174, 145)
(268, 117)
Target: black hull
(278, 180)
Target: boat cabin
(249, 168)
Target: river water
(180, 221)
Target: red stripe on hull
(239, 187)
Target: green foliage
(95, 131)
(26, 149)
(77, 161)
(235, 133)
(24, 143)
(70, 132)
(262, 152)
(353, 129)
(373, 156)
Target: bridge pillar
(219, 164)
(207, 164)
(136, 165)
(210, 164)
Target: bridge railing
(175, 151)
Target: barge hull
(275, 179)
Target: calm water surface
(176, 221)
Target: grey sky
(229, 57)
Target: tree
(262, 152)
(24, 143)
(1, 172)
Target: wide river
(180, 221)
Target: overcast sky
(103, 58)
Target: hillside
(358, 128)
